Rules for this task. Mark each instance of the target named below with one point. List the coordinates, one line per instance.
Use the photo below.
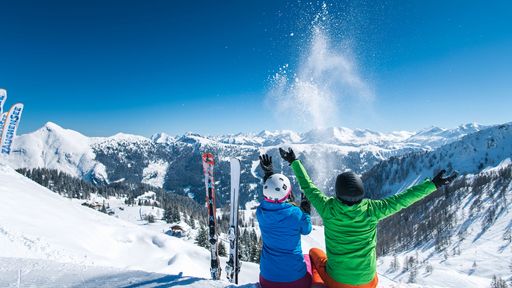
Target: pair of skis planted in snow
(233, 264)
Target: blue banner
(10, 127)
(3, 117)
(3, 98)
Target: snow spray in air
(312, 95)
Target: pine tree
(507, 236)
(497, 282)
(103, 208)
(253, 250)
(244, 246)
(395, 265)
(429, 268)
(192, 222)
(176, 216)
(260, 246)
(413, 269)
(222, 249)
(168, 215)
(202, 237)
(412, 274)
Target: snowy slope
(39, 224)
(154, 173)
(44, 273)
(38, 273)
(480, 242)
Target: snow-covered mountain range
(458, 237)
(47, 240)
(173, 163)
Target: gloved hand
(305, 205)
(288, 156)
(266, 165)
(291, 198)
(440, 181)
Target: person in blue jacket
(281, 223)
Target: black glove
(292, 198)
(440, 181)
(288, 156)
(305, 205)
(266, 165)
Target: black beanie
(349, 187)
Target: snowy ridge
(173, 163)
(471, 154)
(436, 137)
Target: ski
(233, 264)
(208, 164)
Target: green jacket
(351, 231)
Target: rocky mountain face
(174, 162)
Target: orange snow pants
(319, 262)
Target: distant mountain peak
(471, 126)
(52, 126)
(128, 137)
(161, 138)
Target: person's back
(281, 224)
(351, 232)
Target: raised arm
(391, 205)
(317, 198)
(313, 194)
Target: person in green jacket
(350, 223)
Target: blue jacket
(281, 225)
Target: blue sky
(101, 67)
